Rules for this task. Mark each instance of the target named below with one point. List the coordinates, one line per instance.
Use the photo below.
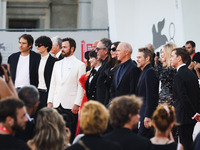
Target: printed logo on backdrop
(84, 48)
(159, 38)
(2, 47)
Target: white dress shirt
(42, 84)
(22, 72)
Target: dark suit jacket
(128, 140)
(95, 142)
(90, 88)
(186, 95)
(196, 145)
(33, 66)
(102, 89)
(48, 70)
(128, 82)
(147, 88)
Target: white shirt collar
(68, 58)
(58, 54)
(180, 66)
(97, 68)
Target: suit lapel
(124, 71)
(15, 65)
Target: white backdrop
(132, 21)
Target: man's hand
(50, 105)
(147, 122)
(75, 109)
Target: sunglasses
(113, 49)
(38, 45)
(97, 49)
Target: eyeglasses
(38, 45)
(113, 49)
(97, 49)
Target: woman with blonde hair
(166, 74)
(163, 120)
(51, 131)
(93, 122)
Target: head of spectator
(163, 119)
(86, 60)
(93, 118)
(125, 118)
(94, 61)
(94, 45)
(12, 115)
(144, 57)
(124, 51)
(166, 53)
(113, 50)
(43, 45)
(51, 131)
(190, 47)
(150, 47)
(103, 48)
(68, 47)
(30, 96)
(56, 45)
(25, 43)
(179, 56)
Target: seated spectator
(30, 96)
(12, 118)
(7, 88)
(93, 122)
(51, 132)
(163, 120)
(124, 117)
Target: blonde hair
(50, 131)
(163, 116)
(93, 118)
(168, 50)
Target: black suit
(90, 87)
(128, 140)
(47, 77)
(196, 145)
(102, 89)
(147, 88)
(33, 66)
(186, 96)
(128, 79)
(95, 142)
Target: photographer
(6, 85)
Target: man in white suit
(65, 92)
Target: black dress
(166, 77)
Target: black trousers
(185, 134)
(70, 119)
(145, 132)
(43, 98)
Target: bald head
(124, 51)
(94, 45)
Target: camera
(158, 54)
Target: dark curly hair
(120, 109)
(45, 41)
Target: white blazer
(66, 91)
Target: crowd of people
(51, 100)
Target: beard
(66, 54)
(17, 127)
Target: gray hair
(107, 43)
(57, 41)
(29, 95)
(127, 46)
